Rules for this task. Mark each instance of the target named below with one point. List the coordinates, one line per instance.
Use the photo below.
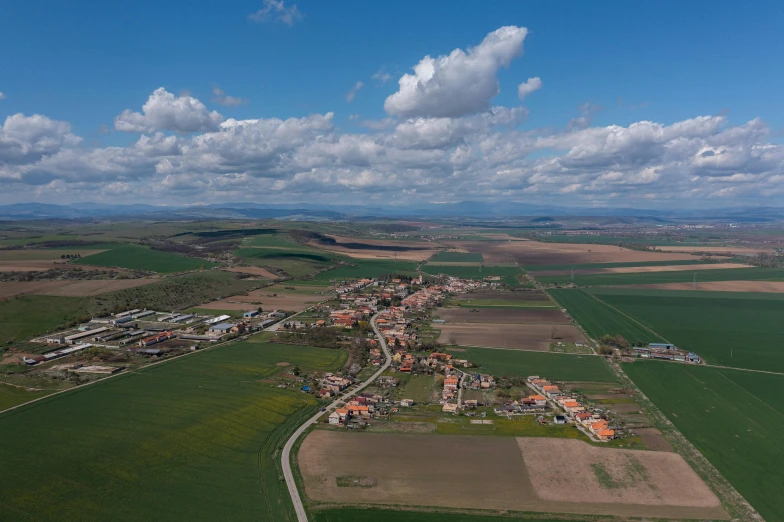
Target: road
(286, 457)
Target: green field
(734, 418)
(382, 515)
(680, 276)
(744, 331)
(135, 257)
(589, 266)
(11, 395)
(296, 262)
(599, 319)
(32, 315)
(457, 257)
(557, 366)
(368, 268)
(415, 387)
(508, 274)
(195, 438)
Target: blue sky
(623, 62)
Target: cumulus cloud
(460, 83)
(2, 96)
(278, 11)
(529, 86)
(27, 139)
(221, 98)
(165, 111)
(352, 93)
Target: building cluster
(332, 385)
(573, 409)
(357, 412)
(667, 352)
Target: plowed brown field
(535, 337)
(502, 315)
(493, 473)
(69, 288)
(719, 286)
(642, 269)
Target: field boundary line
(625, 315)
(720, 367)
(750, 393)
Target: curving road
(286, 457)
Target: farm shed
(222, 328)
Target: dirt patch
(68, 288)
(513, 336)
(644, 269)
(503, 295)
(284, 364)
(483, 472)
(630, 407)
(533, 253)
(654, 439)
(253, 270)
(773, 287)
(270, 298)
(568, 470)
(502, 315)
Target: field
(742, 330)
(31, 315)
(512, 336)
(555, 366)
(39, 260)
(727, 274)
(388, 515)
(253, 270)
(599, 319)
(457, 257)
(274, 297)
(136, 257)
(368, 268)
(534, 253)
(502, 315)
(297, 262)
(414, 470)
(734, 418)
(589, 266)
(638, 269)
(723, 286)
(376, 249)
(69, 288)
(508, 274)
(194, 438)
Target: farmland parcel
(142, 258)
(419, 470)
(734, 418)
(191, 439)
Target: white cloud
(27, 139)
(278, 11)
(165, 111)
(2, 96)
(529, 86)
(382, 77)
(352, 93)
(460, 83)
(221, 98)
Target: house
(559, 419)
(551, 390)
(222, 328)
(407, 402)
(334, 418)
(605, 434)
(583, 417)
(250, 314)
(449, 408)
(538, 400)
(450, 383)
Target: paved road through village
(286, 457)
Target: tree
(296, 370)
(453, 340)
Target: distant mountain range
(497, 211)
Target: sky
(617, 104)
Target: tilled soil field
(535, 337)
(492, 473)
(502, 315)
(720, 286)
(642, 269)
(503, 295)
(269, 299)
(69, 288)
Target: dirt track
(720, 286)
(514, 336)
(492, 472)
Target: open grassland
(195, 438)
(418, 470)
(136, 257)
(680, 276)
(368, 268)
(742, 332)
(275, 297)
(31, 315)
(457, 257)
(554, 366)
(13, 395)
(734, 418)
(599, 319)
